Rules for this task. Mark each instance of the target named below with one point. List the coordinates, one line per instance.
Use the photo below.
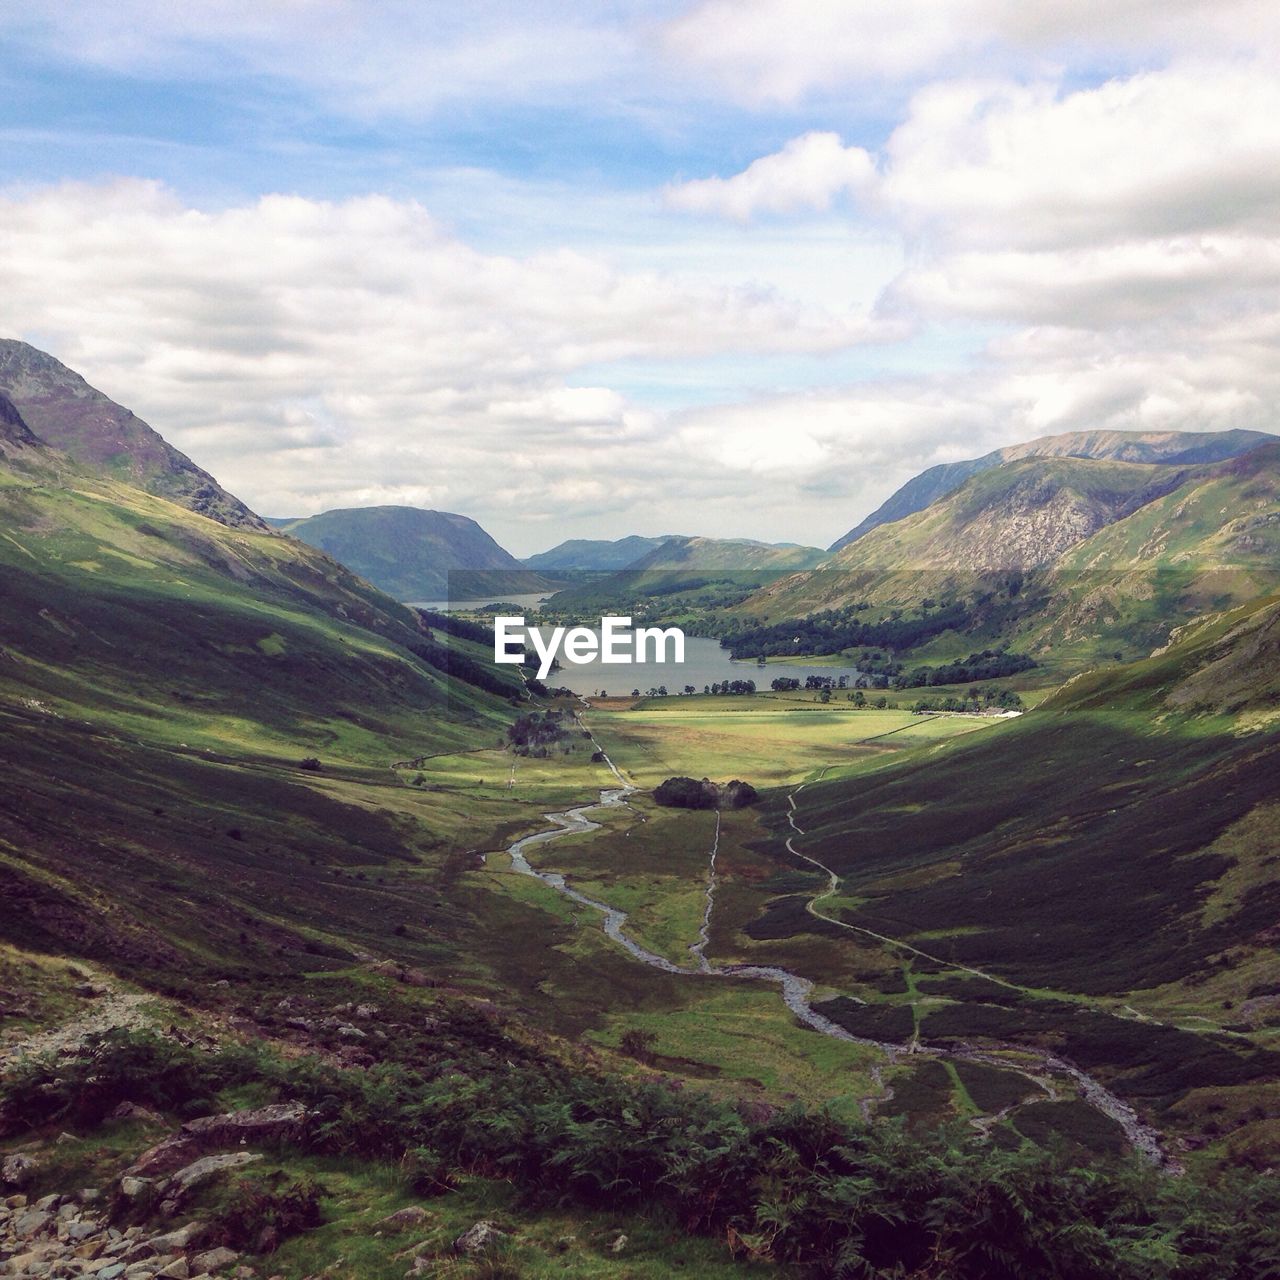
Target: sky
(736, 268)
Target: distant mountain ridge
(1169, 448)
(63, 410)
(409, 552)
(728, 554)
(598, 553)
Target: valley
(270, 836)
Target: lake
(705, 662)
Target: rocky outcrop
(280, 1122)
(64, 411)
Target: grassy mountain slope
(1170, 447)
(1078, 847)
(409, 552)
(733, 554)
(162, 676)
(597, 553)
(1111, 850)
(1071, 559)
(66, 412)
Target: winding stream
(797, 991)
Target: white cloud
(764, 51)
(807, 174)
(316, 354)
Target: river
(796, 990)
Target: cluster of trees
(538, 733)
(990, 699)
(689, 793)
(805, 1190)
(990, 664)
(835, 630)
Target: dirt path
(117, 1008)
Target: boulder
(402, 1219)
(277, 1123)
(480, 1238)
(16, 1170)
(214, 1259)
(207, 1167)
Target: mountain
(196, 724)
(727, 554)
(66, 412)
(1108, 856)
(1071, 559)
(1172, 448)
(410, 552)
(600, 554)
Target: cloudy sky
(730, 267)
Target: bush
(259, 1217)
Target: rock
(366, 1011)
(179, 1269)
(348, 1032)
(404, 1218)
(31, 1223)
(17, 1170)
(175, 1151)
(207, 1167)
(275, 1123)
(132, 1187)
(63, 1138)
(88, 1195)
(131, 1111)
(618, 1244)
(182, 1238)
(16, 1202)
(214, 1259)
(110, 1272)
(480, 1238)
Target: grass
(742, 1035)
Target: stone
(618, 1244)
(480, 1238)
(348, 1032)
(132, 1111)
(47, 1203)
(208, 1167)
(31, 1223)
(279, 1121)
(214, 1259)
(404, 1218)
(175, 1151)
(181, 1238)
(132, 1187)
(178, 1269)
(16, 1202)
(88, 1195)
(110, 1272)
(16, 1170)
